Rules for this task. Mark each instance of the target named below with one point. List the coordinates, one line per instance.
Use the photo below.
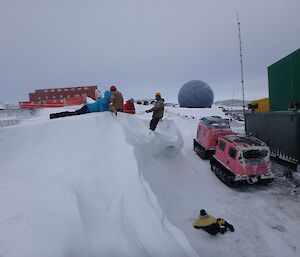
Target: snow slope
(266, 218)
(71, 187)
(104, 185)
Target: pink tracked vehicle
(208, 132)
(240, 159)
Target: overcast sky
(143, 46)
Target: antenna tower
(241, 59)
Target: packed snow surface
(104, 185)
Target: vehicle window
(232, 153)
(199, 130)
(255, 154)
(222, 145)
(220, 126)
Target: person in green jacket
(212, 225)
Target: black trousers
(84, 109)
(154, 122)
(216, 228)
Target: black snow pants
(153, 123)
(220, 227)
(214, 229)
(80, 111)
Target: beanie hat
(157, 94)
(203, 212)
(113, 88)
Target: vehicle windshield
(255, 155)
(220, 126)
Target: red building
(59, 97)
(62, 93)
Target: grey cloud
(142, 46)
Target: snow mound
(73, 188)
(165, 142)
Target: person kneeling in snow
(100, 105)
(117, 100)
(212, 225)
(129, 106)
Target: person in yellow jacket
(212, 225)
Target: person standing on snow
(212, 225)
(100, 105)
(158, 111)
(117, 99)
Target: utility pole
(241, 59)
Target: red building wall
(61, 93)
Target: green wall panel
(284, 82)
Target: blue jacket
(101, 104)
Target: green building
(284, 82)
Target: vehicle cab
(208, 132)
(242, 158)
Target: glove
(230, 227)
(147, 111)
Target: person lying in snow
(212, 225)
(100, 105)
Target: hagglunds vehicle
(239, 159)
(208, 132)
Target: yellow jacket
(207, 220)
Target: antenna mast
(241, 59)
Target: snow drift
(71, 187)
(78, 186)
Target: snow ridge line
(128, 123)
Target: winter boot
(53, 116)
(229, 226)
(223, 230)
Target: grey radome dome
(196, 94)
